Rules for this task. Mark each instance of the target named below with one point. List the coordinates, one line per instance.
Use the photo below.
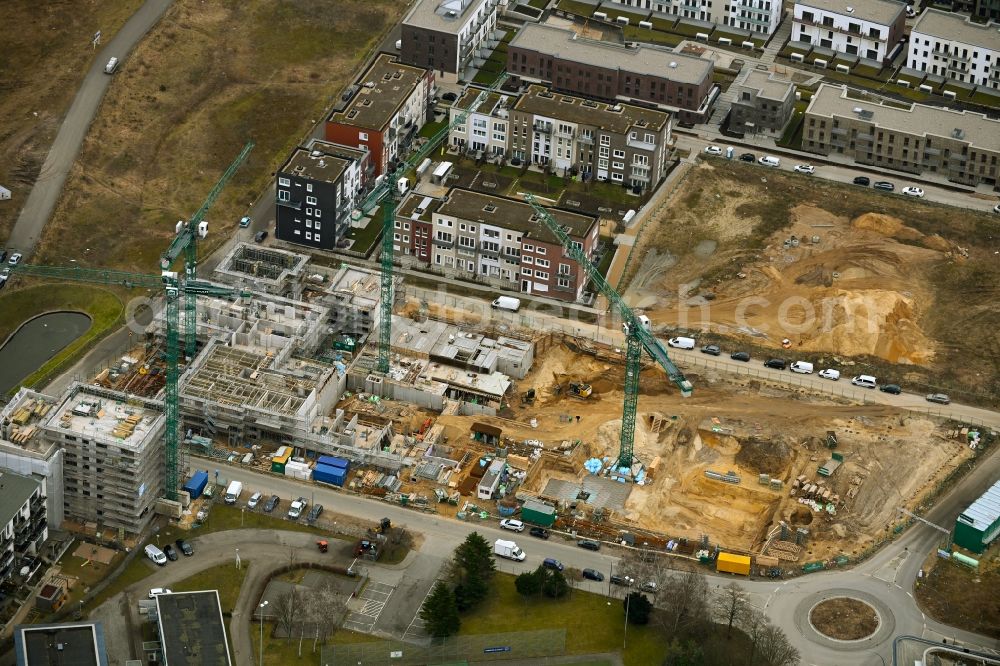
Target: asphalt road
(48, 187)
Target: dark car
(184, 547)
(449, 97)
(271, 504)
(169, 551)
(314, 513)
(890, 388)
(259, 236)
(624, 581)
(592, 574)
(748, 157)
(740, 356)
(539, 532)
(862, 180)
(3, 255)
(552, 563)
(939, 398)
(776, 363)
(711, 350)
(884, 185)
(588, 544)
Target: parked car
(153, 593)
(911, 12)
(912, 191)
(890, 388)
(862, 180)
(552, 563)
(996, 209)
(3, 255)
(244, 222)
(769, 161)
(15, 259)
(169, 551)
(259, 236)
(539, 532)
(618, 579)
(449, 97)
(805, 168)
(712, 150)
(254, 500)
(271, 504)
(711, 350)
(740, 356)
(314, 513)
(939, 398)
(830, 373)
(884, 185)
(184, 547)
(589, 544)
(748, 157)
(512, 525)
(776, 363)
(649, 586)
(592, 574)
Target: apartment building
(612, 72)
(23, 525)
(445, 35)
(316, 192)
(960, 145)
(760, 16)
(385, 114)
(499, 239)
(980, 10)
(762, 100)
(869, 29)
(622, 143)
(951, 45)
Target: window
(309, 212)
(316, 225)
(540, 250)
(526, 271)
(362, 136)
(641, 160)
(529, 248)
(605, 139)
(602, 164)
(542, 263)
(309, 235)
(617, 165)
(284, 182)
(617, 177)
(564, 269)
(309, 187)
(563, 282)
(311, 200)
(620, 154)
(605, 152)
(283, 195)
(309, 224)
(541, 275)
(650, 138)
(318, 213)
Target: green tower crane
(186, 243)
(387, 194)
(173, 287)
(637, 337)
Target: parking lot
(365, 609)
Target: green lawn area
(792, 137)
(593, 623)
(364, 238)
(225, 578)
(18, 305)
(432, 128)
(578, 8)
(538, 4)
(609, 255)
(137, 569)
(636, 34)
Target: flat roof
(442, 15)
(321, 160)
(638, 60)
(985, 511)
(374, 105)
(15, 489)
(977, 130)
(192, 631)
(66, 644)
(23, 416)
(418, 206)
(97, 412)
(768, 84)
(958, 28)
(512, 214)
(489, 105)
(540, 101)
(877, 11)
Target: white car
(829, 373)
(912, 191)
(157, 591)
(805, 168)
(996, 209)
(512, 525)
(15, 259)
(712, 150)
(254, 500)
(769, 161)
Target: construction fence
(513, 646)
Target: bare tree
(775, 649)
(730, 606)
(753, 624)
(287, 609)
(689, 598)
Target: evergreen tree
(555, 585)
(638, 608)
(440, 612)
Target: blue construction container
(196, 484)
(332, 475)
(331, 461)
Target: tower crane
(637, 337)
(387, 194)
(173, 288)
(186, 243)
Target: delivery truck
(509, 550)
(233, 492)
(730, 563)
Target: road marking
(418, 630)
(373, 601)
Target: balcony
(640, 145)
(443, 243)
(542, 128)
(586, 139)
(295, 205)
(560, 131)
(491, 252)
(835, 28)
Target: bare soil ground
(887, 281)
(44, 54)
(961, 597)
(844, 619)
(208, 78)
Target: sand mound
(886, 225)
(764, 456)
(935, 242)
(908, 234)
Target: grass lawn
(225, 578)
(538, 4)
(792, 137)
(366, 237)
(635, 34)
(957, 595)
(592, 625)
(138, 569)
(432, 128)
(578, 8)
(103, 306)
(608, 257)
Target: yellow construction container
(730, 563)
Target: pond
(36, 342)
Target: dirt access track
(904, 289)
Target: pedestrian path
(778, 40)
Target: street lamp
(628, 598)
(262, 632)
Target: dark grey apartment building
(979, 10)
(446, 35)
(762, 101)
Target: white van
(111, 66)
(643, 321)
(233, 492)
(156, 555)
(830, 373)
(801, 367)
(508, 303)
(681, 343)
(865, 381)
(769, 161)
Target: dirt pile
(765, 456)
(879, 223)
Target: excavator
(575, 389)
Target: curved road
(48, 187)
